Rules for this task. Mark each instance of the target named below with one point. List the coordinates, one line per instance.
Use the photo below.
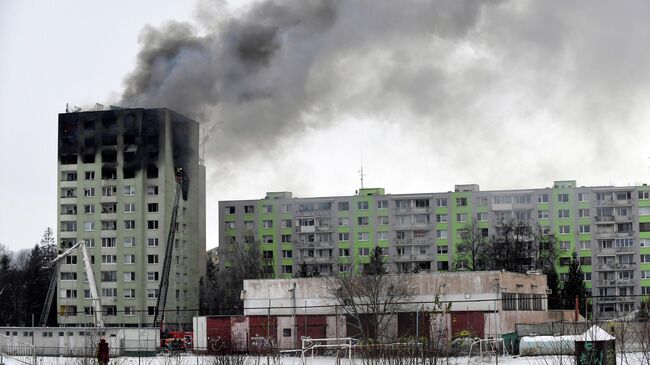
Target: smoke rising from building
(497, 70)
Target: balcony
(624, 218)
(313, 213)
(604, 219)
(324, 228)
(403, 241)
(628, 249)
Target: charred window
(109, 123)
(129, 121)
(68, 160)
(129, 139)
(89, 125)
(152, 172)
(88, 158)
(109, 139)
(128, 173)
(109, 156)
(109, 173)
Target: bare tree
(519, 247)
(473, 248)
(372, 298)
(222, 287)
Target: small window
(286, 332)
(563, 198)
(362, 205)
(344, 206)
(382, 204)
(461, 202)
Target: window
(645, 274)
(229, 209)
(524, 302)
(152, 242)
(129, 241)
(644, 227)
(364, 251)
(343, 206)
(362, 221)
(543, 198)
(109, 259)
(129, 224)
(285, 208)
(565, 229)
(583, 197)
(89, 209)
(268, 208)
(152, 293)
(287, 269)
(382, 236)
(68, 276)
(461, 202)
(129, 259)
(565, 261)
(89, 226)
(344, 236)
(152, 259)
(644, 242)
(89, 192)
(129, 190)
(129, 311)
(362, 236)
(442, 265)
(152, 275)
(287, 254)
(71, 260)
(583, 213)
(362, 205)
(442, 250)
(441, 202)
(152, 190)
(109, 276)
(153, 224)
(644, 194)
(585, 228)
(382, 220)
(286, 238)
(109, 241)
(542, 214)
(644, 211)
(109, 292)
(344, 252)
(645, 258)
(285, 223)
(585, 260)
(89, 175)
(129, 276)
(382, 204)
(249, 209)
(129, 207)
(482, 216)
(585, 245)
(565, 245)
(563, 198)
(441, 218)
(109, 191)
(461, 217)
(422, 203)
(267, 224)
(509, 301)
(482, 201)
(563, 213)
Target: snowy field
(624, 359)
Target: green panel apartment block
(116, 185)
(608, 226)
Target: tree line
(24, 282)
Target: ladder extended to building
(159, 315)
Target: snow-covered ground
(625, 359)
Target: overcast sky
(508, 94)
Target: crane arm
(99, 320)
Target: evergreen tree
(376, 266)
(553, 283)
(574, 286)
(303, 272)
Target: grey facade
(116, 185)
